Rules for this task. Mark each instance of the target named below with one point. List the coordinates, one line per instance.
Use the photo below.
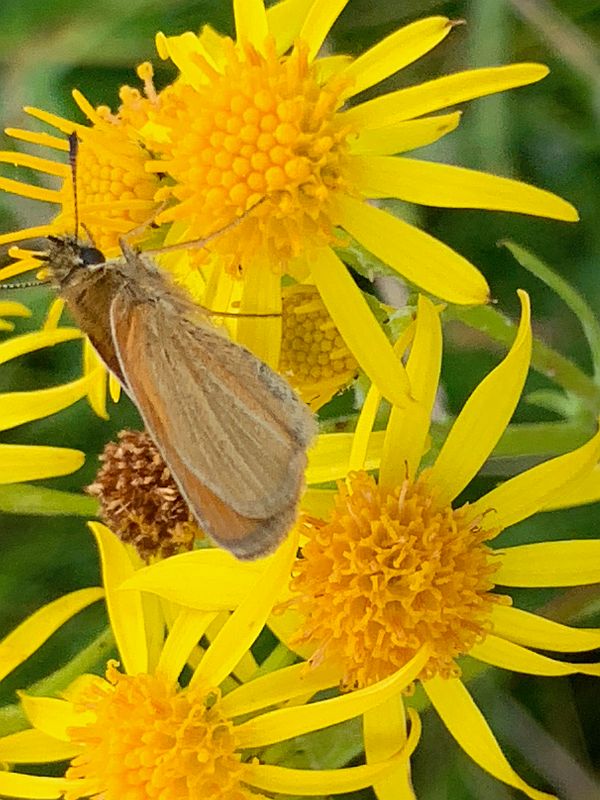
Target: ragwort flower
(137, 733)
(390, 565)
(259, 132)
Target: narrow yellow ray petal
(285, 723)
(35, 162)
(318, 782)
(207, 580)
(87, 108)
(285, 20)
(39, 626)
(384, 729)
(363, 430)
(31, 787)
(262, 295)
(250, 23)
(35, 747)
(243, 626)
(53, 716)
(407, 428)
(60, 123)
(30, 191)
(22, 235)
(328, 66)
(55, 311)
(28, 342)
(447, 186)
(414, 254)
(189, 627)
(526, 494)
(585, 489)
(42, 139)
(19, 407)
(318, 22)
(10, 308)
(403, 136)
(532, 630)
(483, 418)
(508, 655)
(114, 388)
(441, 93)
(395, 52)
(329, 458)
(23, 462)
(97, 376)
(124, 608)
(469, 728)
(181, 50)
(359, 329)
(278, 687)
(318, 502)
(568, 563)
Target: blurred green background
(546, 134)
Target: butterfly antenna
(23, 285)
(73, 150)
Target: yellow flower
(262, 127)
(19, 463)
(11, 309)
(390, 565)
(139, 733)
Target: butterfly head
(68, 258)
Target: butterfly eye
(91, 255)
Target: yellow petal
(207, 580)
(35, 747)
(414, 254)
(319, 782)
(124, 608)
(441, 93)
(35, 137)
(22, 462)
(20, 236)
(364, 429)
(359, 329)
(189, 627)
(395, 52)
(30, 787)
(94, 367)
(35, 162)
(285, 21)
(585, 489)
(532, 630)
(525, 494)
(318, 22)
(404, 136)
(19, 407)
(508, 655)
(9, 308)
(262, 295)
(39, 626)
(329, 458)
(569, 563)
(57, 306)
(318, 502)
(384, 729)
(407, 428)
(250, 23)
(32, 192)
(469, 728)
(484, 417)
(279, 686)
(248, 619)
(52, 716)
(28, 342)
(447, 186)
(284, 723)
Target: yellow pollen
(314, 357)
(262, 127)
(388, 573)
(149, 740)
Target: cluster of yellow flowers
(386, 580)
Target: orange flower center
(260, 129)
(388, 573)
(150, 741)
